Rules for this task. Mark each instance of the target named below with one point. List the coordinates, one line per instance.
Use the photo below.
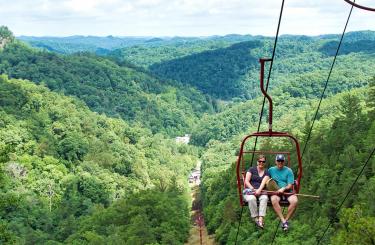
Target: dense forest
(113, 89)
(87, 148)
(231, 70)
(71, 175)
(341, 143)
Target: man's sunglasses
(280, 161)
(261, 161)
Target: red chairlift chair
(241, 156)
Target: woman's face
(261, 162)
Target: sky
(180, 17)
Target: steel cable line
(239, 224)
(309, 134)
(347, 194)
(326, 84)
(320, 101)
(275, 232)
(322, 96)
(368, 159)
(264, 98)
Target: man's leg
(293, 200)
(276, 206)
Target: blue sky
(180, 17)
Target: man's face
(280, 164)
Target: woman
(255, 180)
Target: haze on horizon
(181, 17)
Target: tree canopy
(87, 148)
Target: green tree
(355, 227)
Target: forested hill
(73, 44)
(294, 87)
(69, 175)
(105, 45)
(233, 71)
(107, 87)
(228, 68)
(86, 149)
(145, 55)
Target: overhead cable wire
(276, 229)
(239, 224)
(309, 134)
(323, 92)
(322, 95)
(268, 80)
(264, 98)
(326, 83)
(347, 194)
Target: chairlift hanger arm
(262, 63)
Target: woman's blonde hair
(260, 156)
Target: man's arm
(288, 187)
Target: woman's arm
(247, 181)
(264, 181)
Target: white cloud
(180, 17)
(82, 5)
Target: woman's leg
(252, 202)
(263, 199)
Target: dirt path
(198, 231)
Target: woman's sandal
(260, 224)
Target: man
(284, 179)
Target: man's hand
(257, 192)
(281, 190)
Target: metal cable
(321, 97)
(326, 84)
(239, 224)
(323, 92)
(275, 233)
(264, 99)
(347, 194)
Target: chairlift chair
(244, 153)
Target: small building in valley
(183, 139)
